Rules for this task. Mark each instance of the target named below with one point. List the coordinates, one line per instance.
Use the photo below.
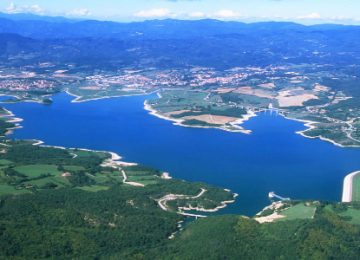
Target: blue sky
(303, 11)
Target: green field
(59, 181)
(94, 188)
(8, 189)
(73, 168)
(104, 178)
(350, 213)
(84, 153)
(356, 188)
(353, 214)
(145, 177)
(4, 162)
(36, 170)
(146, 180)
(25, 167)
(299, 211)
(174, 100)
(113, 91)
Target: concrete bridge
(272, 195)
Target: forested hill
(57, 27)
(175, 43)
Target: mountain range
(174, 43)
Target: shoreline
(275, 206)
(179, 122)
(162, 202)
(310, 125)
(250, 114)
(19, 99)
(115, 161)
(222, 205)
(348, 187)
(78, 98)
(11, 119)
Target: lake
(272, 158)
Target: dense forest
(70, 223)
(327, 236)
(123, 223)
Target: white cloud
(197, 15)
(163, 13)
(221, 14)
(226, 14)
(154, 13)
(234, 15)
(79, 12)
(317, 18)
(310, 16)
(13, 8)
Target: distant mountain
(176, 43)
(13, 44)
(43, 27)
(154, 29)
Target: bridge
(273, 195)
(272, 109)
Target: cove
(272, 158)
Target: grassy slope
(356, 188)
(37, 170)
(299, 211)
(8, 189)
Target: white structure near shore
(348, 187)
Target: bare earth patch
(224, 90)
(291, 98)
(270, 218)
(91, 88)
(255, 92)
(212, 119)
(321, 88)
(267, 85)
(274, 216)
(178, 112)
(60, 71)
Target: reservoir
(272, 158)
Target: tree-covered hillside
(330, 235)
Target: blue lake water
(273, 158)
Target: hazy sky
(305, 11)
